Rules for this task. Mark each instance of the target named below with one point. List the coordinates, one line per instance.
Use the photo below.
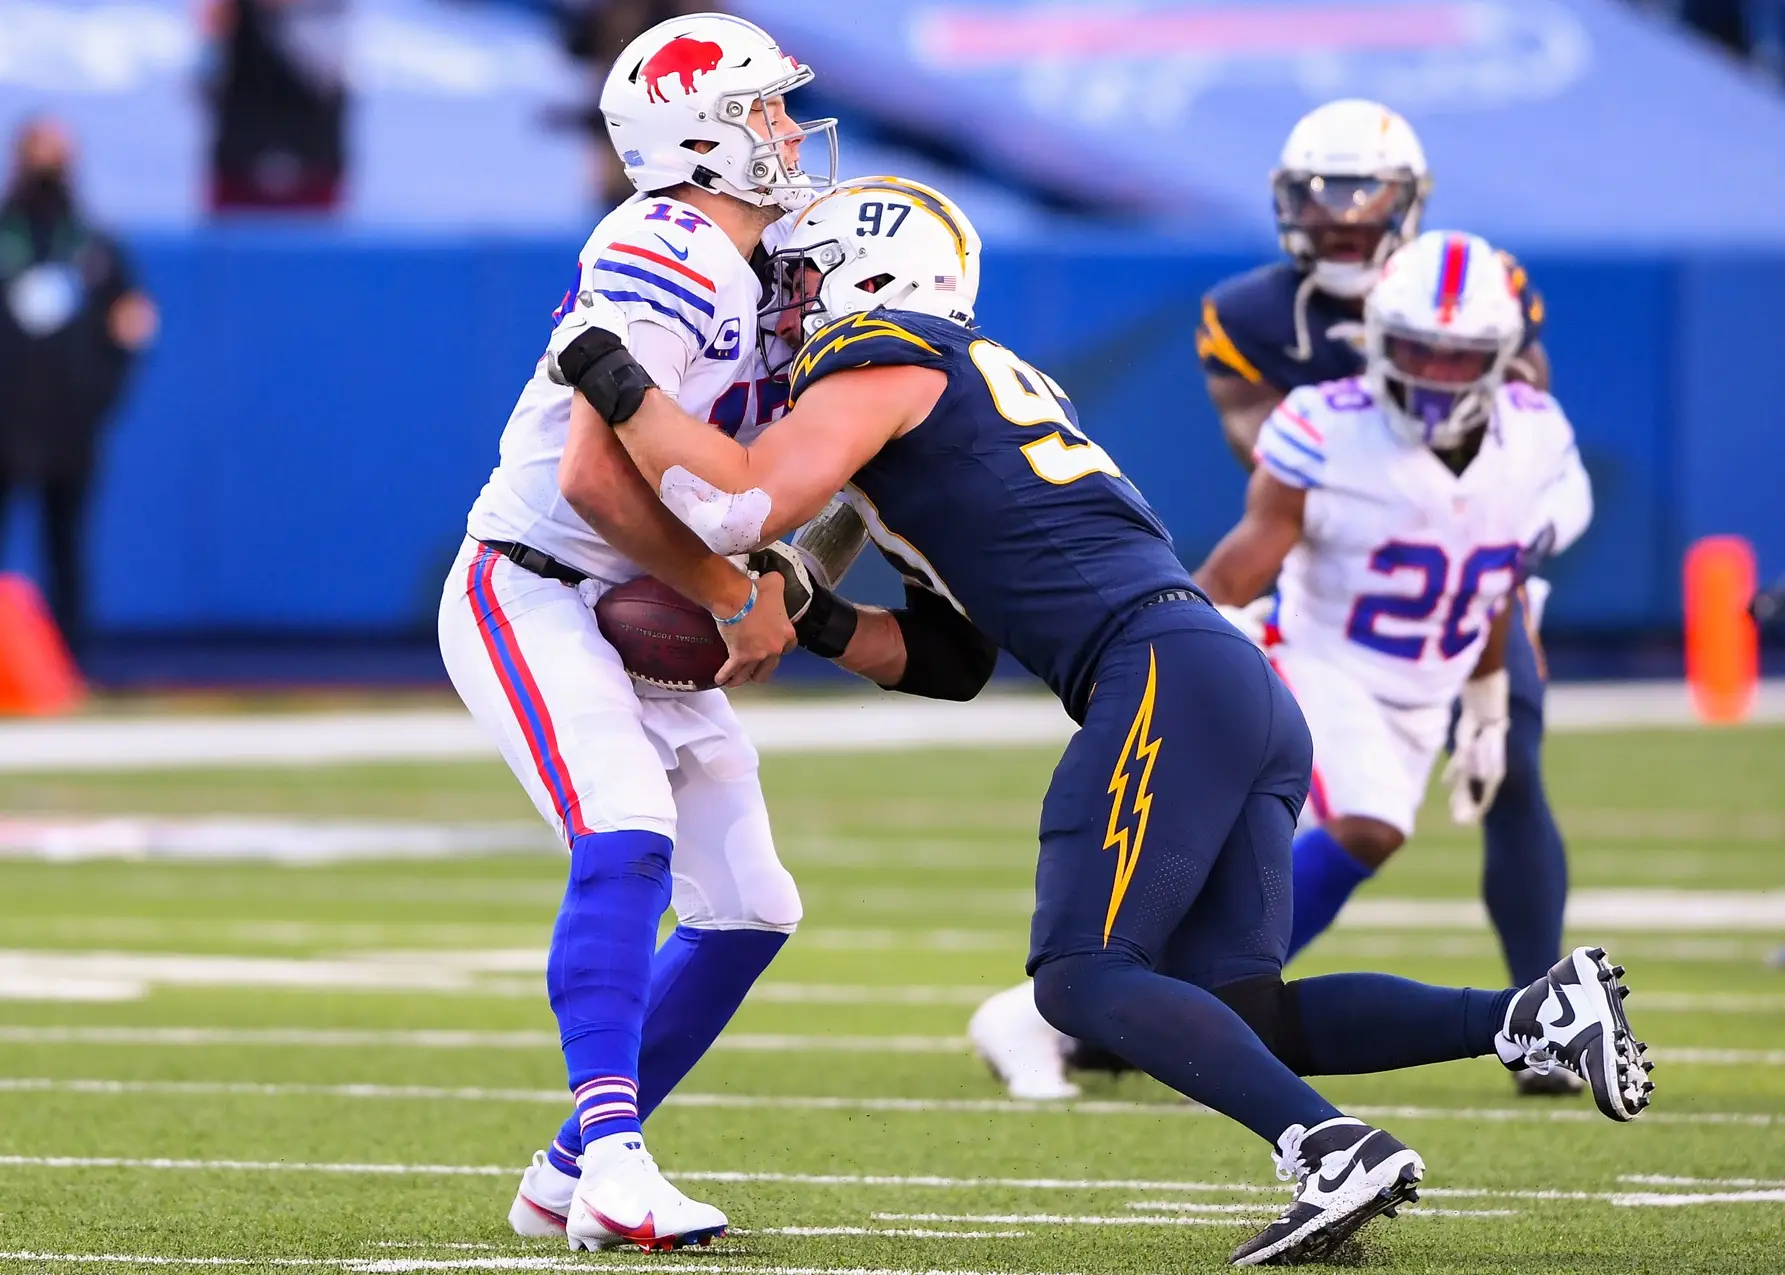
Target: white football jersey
(1402, 563)
(662, 263)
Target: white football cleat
(1021, 1047)
(542, 1204)
(1574, 1017)
(1347, 1173)
(622, 1199)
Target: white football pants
(598, 752)
(1370, 759)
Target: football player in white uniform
(1399, 507)
(623, 771)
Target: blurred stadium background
(229, 945)
(258, 523)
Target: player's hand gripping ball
(663, 639)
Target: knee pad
(771, 900)
(1272, 1009)
(766, 900)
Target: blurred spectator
(594, 33)
(70, 326)
(1751, 28)
(279, 103)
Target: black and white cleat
(1574, 1017)
(1347, 1174)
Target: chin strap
(1303, 349)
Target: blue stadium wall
(299, 451)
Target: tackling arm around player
(790, 474)
(603, 484)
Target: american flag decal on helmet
(945, 283)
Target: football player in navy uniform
(1162, 904)
(1349, 190)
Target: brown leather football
(663, 639)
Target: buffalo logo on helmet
(684, 58)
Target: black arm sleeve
(945, 656)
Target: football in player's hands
(662, 638)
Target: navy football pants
(1165, 874)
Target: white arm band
(730, 522)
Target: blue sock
(698, 980)
(566, 1147)
(1356, 1023)
(598, 972)
(1323, 875)
(1524, 878)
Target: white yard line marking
(737, 1042)
(347, 1038)
(835, 724)
(1658, 1179)
(258, 1166)
(39, 1084)
(1721, 1057)
(1065, 1219)
(1180, 1206)
(1649, 911)
(1664, 1200)
(379, 1265)
(795, 1102)
(1712, 1002)
(900, 1233)
(1619, 1198)
(99, 976)
(263, 838)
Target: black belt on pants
(540, 564)
(1172, 595)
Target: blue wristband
(726, 621)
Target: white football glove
(1251, 618)
(592, 310)
(1478, 766)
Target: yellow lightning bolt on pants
(1127, 835)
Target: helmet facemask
(1439, 388)
(803, 295)
(1342, 228)
(768, 179)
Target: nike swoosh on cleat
(1566, 1019)
(680, 254)
(1329, 1185)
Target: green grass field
(377, 1149)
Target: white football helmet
(1439, 331)
(876, 242)
(1349, 189)
(679, 104)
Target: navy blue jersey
(999, 502)
(1249, 328)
